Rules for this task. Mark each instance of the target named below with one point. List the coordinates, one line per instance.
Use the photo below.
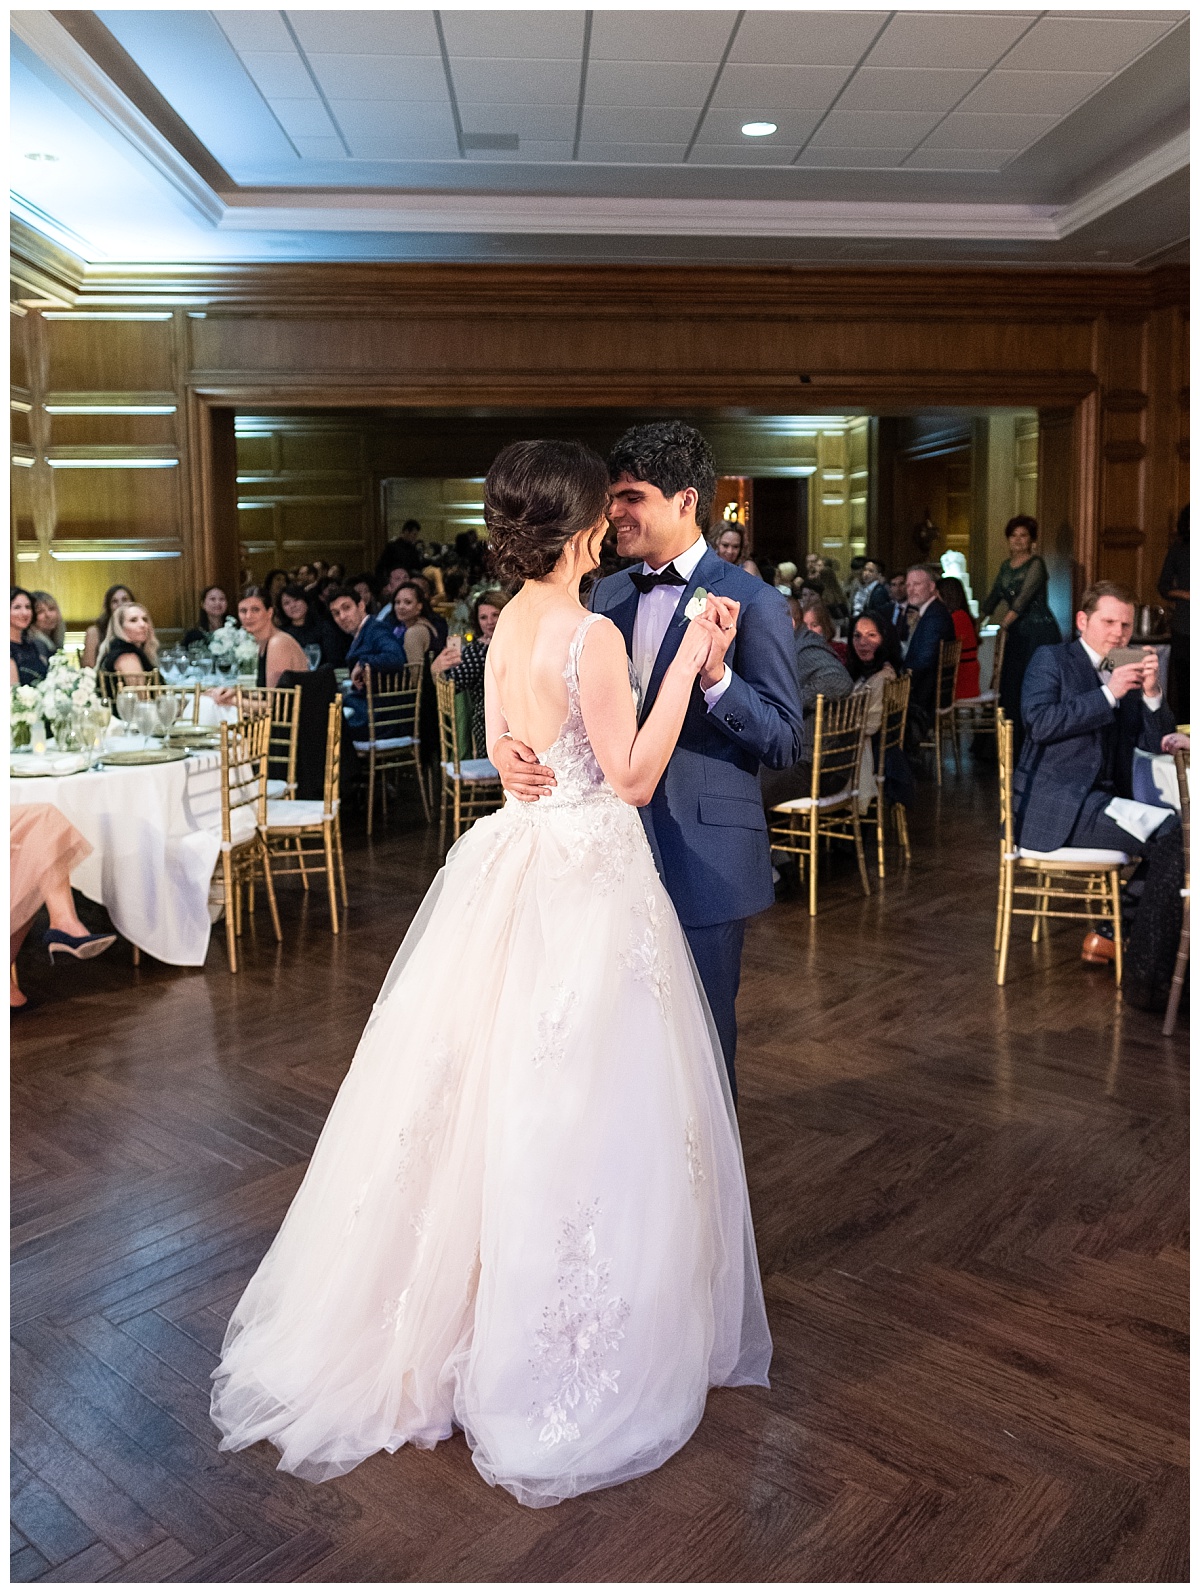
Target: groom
(705, 822)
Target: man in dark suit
(705, 822)
(928, 624)
(1082, 724)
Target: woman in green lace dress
(1029, 624)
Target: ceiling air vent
(491, 141)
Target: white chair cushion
(385, 744)
(243, 824)
(295, 815)
(472, 769)
(984, 698)
(276, 788)
(802, 804)
(1082, 856)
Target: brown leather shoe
(1098, 949)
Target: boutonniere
(696, 604)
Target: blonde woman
(131, 647)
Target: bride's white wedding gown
(527, 1214)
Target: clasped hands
(705, 643)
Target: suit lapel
(709, 573)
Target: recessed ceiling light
(38, 154)
(759, 129)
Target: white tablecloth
(156, 837)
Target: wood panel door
(781, 518)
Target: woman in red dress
(950, 590)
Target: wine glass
(312, 652)
(167, 708)
(91, 731)
(146, 720)
(127, 706)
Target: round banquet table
(155, 831)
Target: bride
(527, 1213)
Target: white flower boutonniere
(696, 604)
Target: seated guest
(460, 609)
(131, 647)
(43, 849)
(953, 595)
(927, 626)
(1082, 724)
(872, 595)
(214, 606)
(411, 621)
(277, 651)
(49, 628)
(464, 662)
(831, 590)
(26, 662)
(727, 539)
(897, 602)
(300, 616)
(785, 574)
(370, 644)
(336, 573)
(873, 660)
(93, 637)
(821, 674)
(441, 631)
(364, 585)
(275, 582)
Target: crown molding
(53, 275)
(1122, 186)
(56, 48)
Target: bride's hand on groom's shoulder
(519, 769)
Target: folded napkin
(1139, 818)
(52, 762)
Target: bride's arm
(633, 760)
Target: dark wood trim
(52, 274)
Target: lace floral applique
(553, 1025)
(691, 1146)
(577, 1333)
(414, 1141)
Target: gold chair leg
(1177, 978)
(341, 858)
(999, 906)
(812, 861)
(902, 827)
(420, 774)
(230, 930)
(371, 794)
(137, 956)
(1035, 933)
(300, 860)
(954, 744)
(1006, 924)
(858, 847)
(937, 744)
(270, 887)
(1114, 888)
(330, 876)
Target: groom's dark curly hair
(670, 456)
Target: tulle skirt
(527, 1213)
(44, 846)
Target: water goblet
(146, 720)
(127, 706)
(167, 709)
(91, 734)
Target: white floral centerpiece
(64, 693)
(232, 645)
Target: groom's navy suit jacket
(1078, 750)
(705, 822)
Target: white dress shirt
(1153, 703)
(655, 611)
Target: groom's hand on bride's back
(519, 769)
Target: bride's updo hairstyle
(537, 496)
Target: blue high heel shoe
(59, 944)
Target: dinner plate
(129, 760)
(191, 737)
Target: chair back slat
(280, 705)
(949, 657)
(448, 725)
(998, 658)
(244, 747)
(838, 731)
(111, 681)
(333, 753)
(895, 716)
(1004, 759)
(393, 701)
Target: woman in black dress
(214, 606)
(26, 662)
(1022, 584)
(298, 613)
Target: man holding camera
(1087, 705)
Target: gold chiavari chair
(1087, 877)
(839, 729)
(891, 734)
(978, 714)
(470, 786)
(945, 726)
(281, 705)
(110, 681)
(393, 739)
(305, 837)
(1185, 939)
(244, 747)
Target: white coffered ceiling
(997, 134)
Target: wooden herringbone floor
(971, 1209)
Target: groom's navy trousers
(705, 822)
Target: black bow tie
(669, 576)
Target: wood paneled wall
(1106, 348)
